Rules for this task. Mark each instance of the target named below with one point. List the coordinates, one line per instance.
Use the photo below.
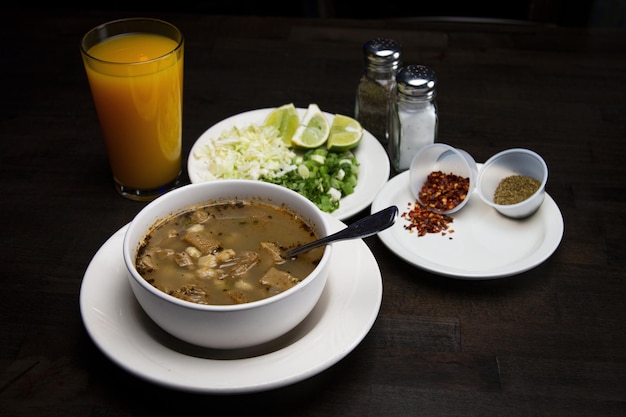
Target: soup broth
(227, 253)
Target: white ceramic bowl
(227, 326)
(445, 158)
(517, 161)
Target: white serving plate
(374, 165)
(344, 315)
(484, 245)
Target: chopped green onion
(323, 177)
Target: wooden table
(550, 341)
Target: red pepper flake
(443, 192)
(423, 220)
(440, 192)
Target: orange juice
(136, 82)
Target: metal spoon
(367, 226)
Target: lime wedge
(345, 133)
(285, 119)
(313, 130)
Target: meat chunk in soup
(244, 261)
(145, 264)
(183, 260)
(204, 243)
(191, 293)
(282, 280)
(274, 251)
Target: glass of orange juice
(135, 72)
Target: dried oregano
(515, 189)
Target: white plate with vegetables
(215, 156)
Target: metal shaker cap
(383, 52)
(417, 81)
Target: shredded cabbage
(253, 152)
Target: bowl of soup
(206, 262)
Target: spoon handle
(367, 226)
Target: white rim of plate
(342, 319)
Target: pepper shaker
(414, 117)
(374, 92)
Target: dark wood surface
(547, 342)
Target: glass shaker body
(374, 96)
(414, 119)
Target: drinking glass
(135, 72)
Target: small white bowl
(227, 326)
(445, 158)
(517, 161)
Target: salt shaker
(374, 93)
(414, 114)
